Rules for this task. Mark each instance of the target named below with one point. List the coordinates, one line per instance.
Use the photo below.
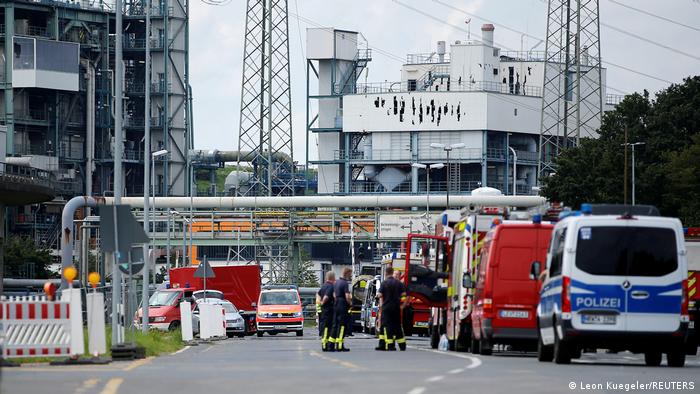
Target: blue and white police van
(614, 282)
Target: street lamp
(427, 169)
(146, 256)
(515, 166)
(633, 144)
(447, 149)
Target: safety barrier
(212, 321)
(186, 321)
(35, 327)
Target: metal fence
(453, 86)
(22, 174)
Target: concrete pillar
(2, 246)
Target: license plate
(598, 319)
(514, 314)
(421, 324)
(280, 327)
(691, 325)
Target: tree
(23, 259)
(668, 125)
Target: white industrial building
(470, 92)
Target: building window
(411, 85)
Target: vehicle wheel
(485, 347)
(652, 359)
(273, 333)
(463, 341)
(372, 331)
(676, 357)
(434, 338)
(300, 333)
(241, 336)
(174, 325)
(230, 335)
(562, 354)
(544, 353)
(260, 334)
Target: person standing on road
(343, 300)
(325, 318)
(392, 296)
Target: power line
(609, 63)
(658, 44)
(655, 16)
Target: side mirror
(535, 270)
(467, 281)
(253, 304)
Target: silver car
(235, 325)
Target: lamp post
(447, 149)
(633, 144)
(147, 256)
(427, 184)
(515, 166)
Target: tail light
(488, 307)
(684, 302)
(465, 302)
(374, 313)
(566, 294)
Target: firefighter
(392, 296)
(325, 318)
(343, 300)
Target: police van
(614, 281)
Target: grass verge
(155, 342)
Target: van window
(632, 251)
(557, 252)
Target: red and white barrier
(34, 326)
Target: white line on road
(112, 386)
(475, 361)
(456, 371)
(435, 378)
(417, 390)
(181, 350)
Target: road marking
(87, 385)
(346, 364)
(181, 350)
(137, 363)
(435, 378)
(456, 371)
(417, 390)
(475, 361)
(112, 386)
(207, 349)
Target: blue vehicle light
(586, 209)
(537, 219)
(444, 219)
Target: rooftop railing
(452, 86)
(426, 58)
(21, 174)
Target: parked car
(615, 281)
(216, 294)
(234, 321)
(164, 309)
(370, 306)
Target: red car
(506, 294)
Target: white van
(614, 282)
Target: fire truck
(692, 244)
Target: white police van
(614, 282)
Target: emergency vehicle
(692, 245)
(420, 252)
(279, 311)
(506, 294)
(614, 281)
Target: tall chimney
(487, 34)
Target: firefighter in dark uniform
(325, 318)
(343, 300)
(392, 295)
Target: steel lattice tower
(266, 109)
(266, 123)
(572, 96)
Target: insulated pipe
(67, 230)
(380, 201)
(217, 156)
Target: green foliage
(667, 169)
(23, 259)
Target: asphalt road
(287, 364)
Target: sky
(394, 28)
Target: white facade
(474, 94)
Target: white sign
(392, 226)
